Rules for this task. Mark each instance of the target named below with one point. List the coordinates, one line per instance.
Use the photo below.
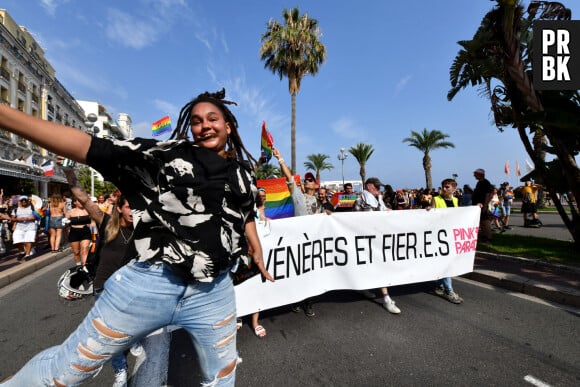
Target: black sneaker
(308, 310)
(21, 256)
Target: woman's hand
(260, 263)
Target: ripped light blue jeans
(138, 299)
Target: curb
(560, 294)
(528, 261)
(28, 267)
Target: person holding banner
(371, 200)
(345, 199)
(193, 205)
(445, 199)
(305, 203)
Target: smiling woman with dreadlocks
(192, 199)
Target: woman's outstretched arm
(82, 196)
(62, 140)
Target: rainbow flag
(267, 143)
(340, 199)
(161, 126)
(278, 199)
(38, 213)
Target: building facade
(28, 83)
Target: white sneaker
(120, 378)
(391, 307)
(137, 349)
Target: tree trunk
(427, 169)
(539, 141)
(293, 134)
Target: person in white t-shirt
(371, 200)
(25, 230)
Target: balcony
(35, 98)
(22, 87)
(50, 108)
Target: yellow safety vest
(440, 202)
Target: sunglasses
(308, 180)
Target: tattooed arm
(82, 196)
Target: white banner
(313, 254)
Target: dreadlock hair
(235, 146)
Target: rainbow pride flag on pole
(38, 213)
(267, 143)
(278, 199)
(161, 126)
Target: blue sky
(387, 73)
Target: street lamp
(342, 156)
(93, 130)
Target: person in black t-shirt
(193, 202)
(481, 197)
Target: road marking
(568, 308)
(535, 381)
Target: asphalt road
(553, 227)
(494, 338)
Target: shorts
(55, 222)
(506, 210)
(79, 234)
(23, 235)
(529, 208)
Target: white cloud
(346, 128)
(166, 107)
(50, 6)
(402, 83)
(203, 41)
(129, 31)
(142, 129)
(69, 74)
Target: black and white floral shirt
(189, 204)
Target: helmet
(75, 283)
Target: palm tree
(293, 50)
(426, 141)
(362, 153)
(504, 41)
(318, 163)
(266, 171)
